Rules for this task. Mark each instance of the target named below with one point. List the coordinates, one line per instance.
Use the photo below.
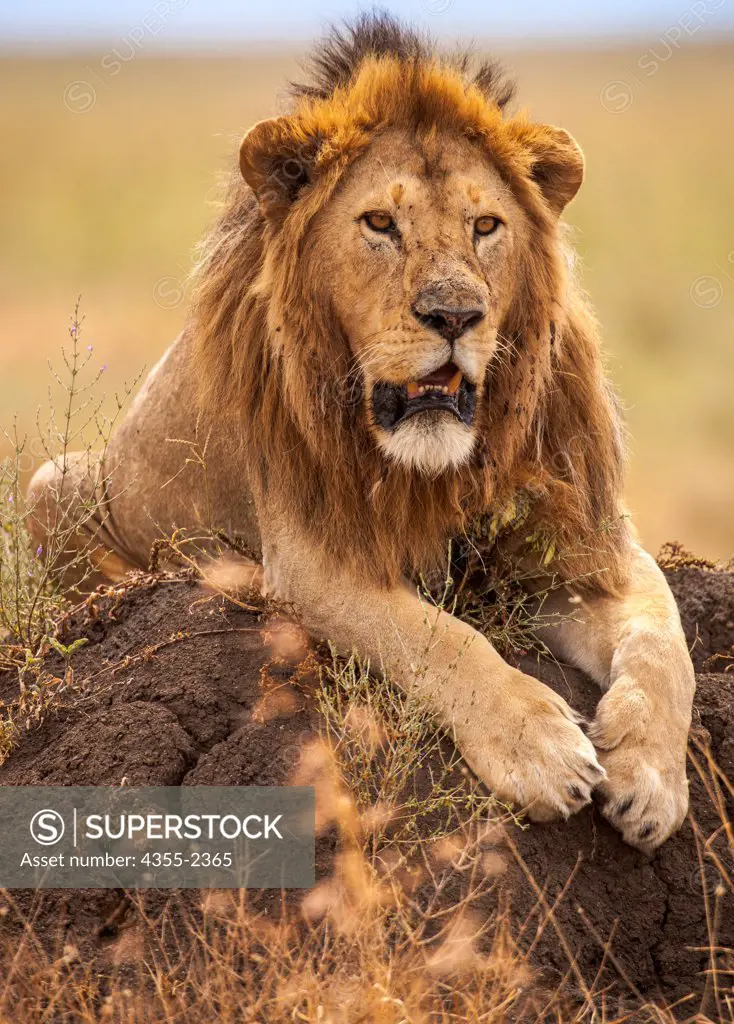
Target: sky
(176, 24)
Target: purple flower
(73, 329)
(90, 348)
(103, 368)
(39, 550)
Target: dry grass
(384, 940)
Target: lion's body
(387, 341)
(549, 425)
(171, 466)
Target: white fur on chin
(429, 443)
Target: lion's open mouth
(444, 390)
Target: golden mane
(272, 358)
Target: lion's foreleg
(519, 736)
(633, 646)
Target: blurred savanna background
(120, 123)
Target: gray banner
(188, 837)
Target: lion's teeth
(415, 390)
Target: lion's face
(417, 248)
(408, 219)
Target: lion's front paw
(645, 795)
(533, 754)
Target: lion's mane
(274, 364)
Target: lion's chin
(430, 443)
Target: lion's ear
(276, 162)
(557, 165)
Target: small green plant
(67, 652)
(39, 691)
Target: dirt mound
(177, 685)
(706, 603)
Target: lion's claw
(540, 760)
(645, 794)
(647, 818)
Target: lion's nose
(450, 323)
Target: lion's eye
(484, 226)
(381, 222)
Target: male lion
(387, 343)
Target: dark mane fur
(335, 61)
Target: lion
(387, 342)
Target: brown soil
(184, 715)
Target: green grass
(110, 202)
